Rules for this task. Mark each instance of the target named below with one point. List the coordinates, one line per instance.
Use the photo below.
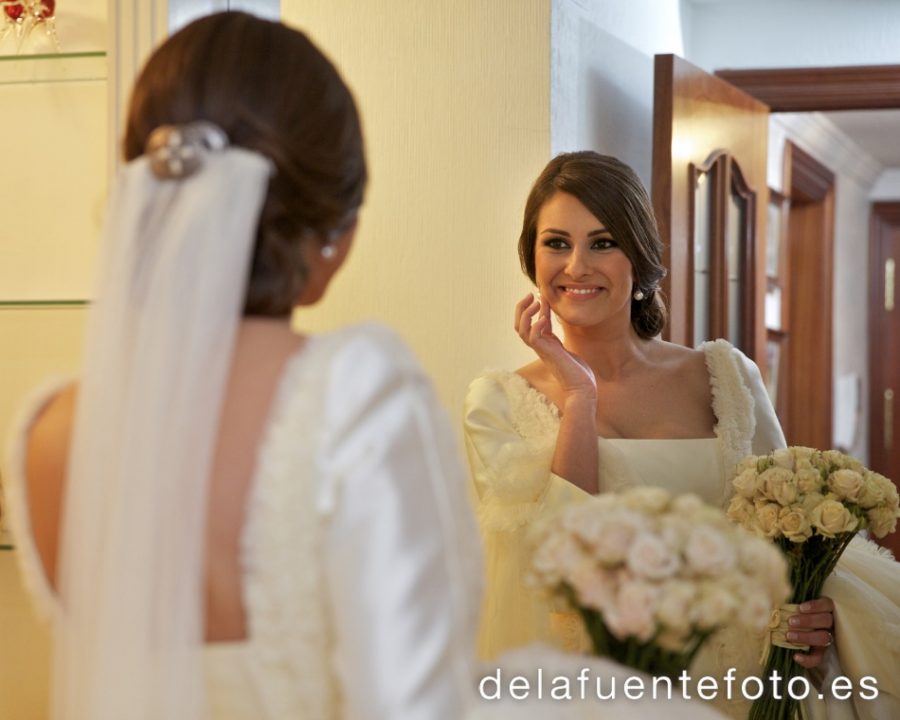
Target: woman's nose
(577, 266)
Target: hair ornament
(177, 151)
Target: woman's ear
(323, 259)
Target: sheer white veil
(158, 351)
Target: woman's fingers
(813, 638)
(811, 621)
(525, 310)
(810, 660)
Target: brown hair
(271, 90)
(613, 193)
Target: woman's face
(579, 268)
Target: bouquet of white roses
(811, 504)
(653, 575)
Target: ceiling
(875, 131)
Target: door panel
(884, 341)
(696, 116)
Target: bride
(223, 518)
(613, 406)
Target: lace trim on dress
(511, 499)
(284, 594)
(732, 405)
(30, 566)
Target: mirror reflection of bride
(610, 405)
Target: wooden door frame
(857, 87)
(810, 187)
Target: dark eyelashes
(562, 243)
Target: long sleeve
(510, 436)
(768, 434)
(401, 554)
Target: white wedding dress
(511, 430)
(360, 554)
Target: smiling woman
(606, 406)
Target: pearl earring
(638, 295)
(328, 251)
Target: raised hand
(812, 626)
(535, 327)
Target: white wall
(601, 84)
(887, 186)
(455, 104)
(785, 33)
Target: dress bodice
(360, 565)
(683, 466)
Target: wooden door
(708, 131)
(884, 340)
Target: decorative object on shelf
(653, 576)
(811, 504)
(23, 16)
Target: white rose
(558, 556)
(767, 566)
(688, 505)
(802, 454)
(714, 606)
(709, 552)
(754, 611)
(835, 458)
(783, 458)
(741, 512)
(616, 536)
(809, 481)
(650, 500)
(779, 485)
(674, 531)
(748, 483)
(831, 518)
(812, 500)
(594, 587)
(650, 558)
(767, 519)
(872, 491)
(794, 524)
(634, 612)
(676, 598)
(882, 520)
(751, 462)
(846, 484)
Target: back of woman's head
(271, 90)
(613, 193)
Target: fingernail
(794, 621)
(798, 658)
(792, 636)
(805, 607)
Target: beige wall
(455, 105)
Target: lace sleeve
(510, 465)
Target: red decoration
(14, 11)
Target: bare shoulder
(684, 364)
(534, 372)
(46, 458)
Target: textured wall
(455, 104)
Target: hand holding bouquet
(653, 575)
(811, 504)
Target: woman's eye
(604, 244)
(556, 243)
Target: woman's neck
(610, 351)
